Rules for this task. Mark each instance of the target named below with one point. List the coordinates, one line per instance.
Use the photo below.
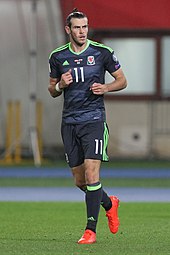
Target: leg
(80, 181)
(79, 177)
(93, 193)
(93, 198)
(86, 177)
(92, 168)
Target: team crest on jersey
(90, 60)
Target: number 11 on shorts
(98, 146)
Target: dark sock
(93, 200)
(105, 201)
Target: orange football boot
(88, 237)
(112, 215)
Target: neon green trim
(101, 45)
(105, 139)
(93, 188)
(63, 47)
(68, 45)
(78, 53)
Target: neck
(77, 48)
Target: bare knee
(79, 177)
(79, 182)
(81, 185)
(92, 169)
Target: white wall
(15, 67)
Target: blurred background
(138, 117)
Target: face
(78, 31)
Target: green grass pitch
(50, 228)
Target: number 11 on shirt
(79, 76)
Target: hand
(98, 88)
(66, 79)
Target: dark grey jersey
(87, 67)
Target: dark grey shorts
(85, 141)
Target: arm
(118, 83)
(64, 82)
(52, 87)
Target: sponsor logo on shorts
(67, 160)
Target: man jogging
(77, 70)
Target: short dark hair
(74, 14)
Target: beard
(76, 41)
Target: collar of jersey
(78, 53)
